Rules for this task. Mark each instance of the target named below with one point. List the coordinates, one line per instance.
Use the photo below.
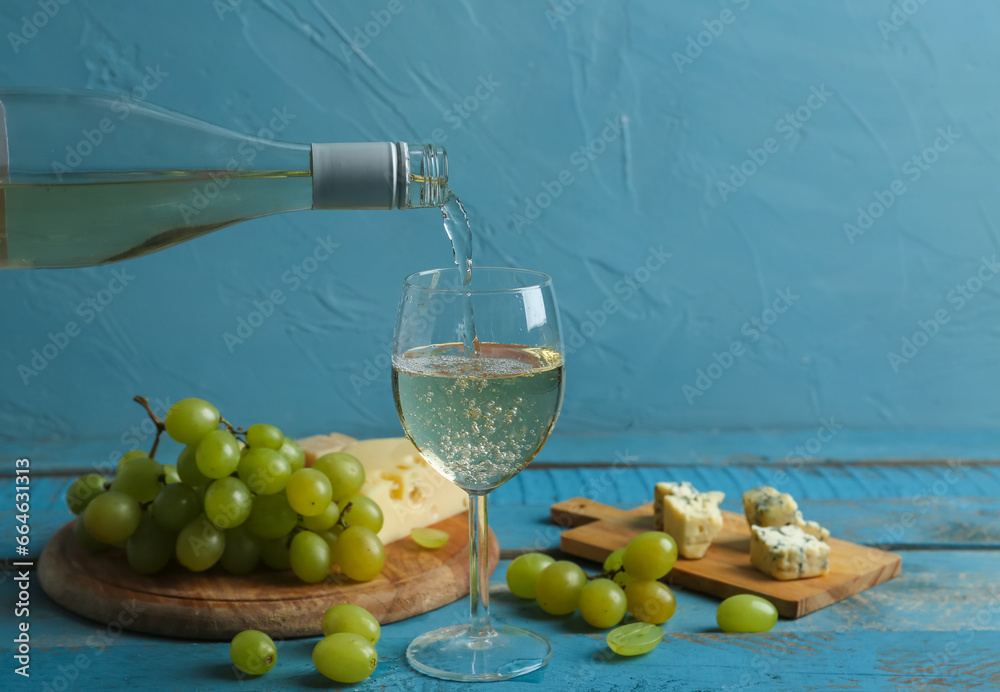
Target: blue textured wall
(587, 138)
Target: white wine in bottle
(87, 179)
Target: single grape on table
(746, 613)
(253, 652)
(635, 639)
(345, 657)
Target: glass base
(451, 653)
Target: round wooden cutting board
(216, 605)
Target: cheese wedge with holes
(788, 552)
(318, 445)
(691, 518)
(407, 489)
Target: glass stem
(479, 571)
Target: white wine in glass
(479, 410)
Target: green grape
(650, 601)
(85, 540)
(558, 587)
(265, 471)
(746, 613)
(523, 573)
(187, 468)
(264, 435)
(331, 539)
(271, 516)
(345, 657)
(345, 472)
(228, 502)
(650, 555)
(347, 617)
(242, 553)
(360, 553)
(613, 562)
(140, 478)
(112, 517)
(175, 506)
(150, 548)
(200, 544)
(83, 490)
(310, 557)
(622, 579)
(322, 522)
(429, 538)
(308, 492)
(129, 456)
(602, 603)
(189, 420)
(275, 553)
(253, 652)
(290, 450)
(635, 639)
(218, 454)
(361, 510)
(170, 474)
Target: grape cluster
(346, 653)
(234, 498)
(630, 583)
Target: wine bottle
(88, 178)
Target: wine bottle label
(355, 176)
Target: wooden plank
(581, 661)
(725, 570)
(935, 625)
(217, 605)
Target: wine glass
(478, 400)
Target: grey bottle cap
(355, 176)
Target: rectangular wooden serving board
(594, 530)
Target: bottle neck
(379, 175)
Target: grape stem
(160, 426)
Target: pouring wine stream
(461, 243)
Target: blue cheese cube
(691, 518)
(765, 506)
(788, 552)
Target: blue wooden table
(933, 498)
